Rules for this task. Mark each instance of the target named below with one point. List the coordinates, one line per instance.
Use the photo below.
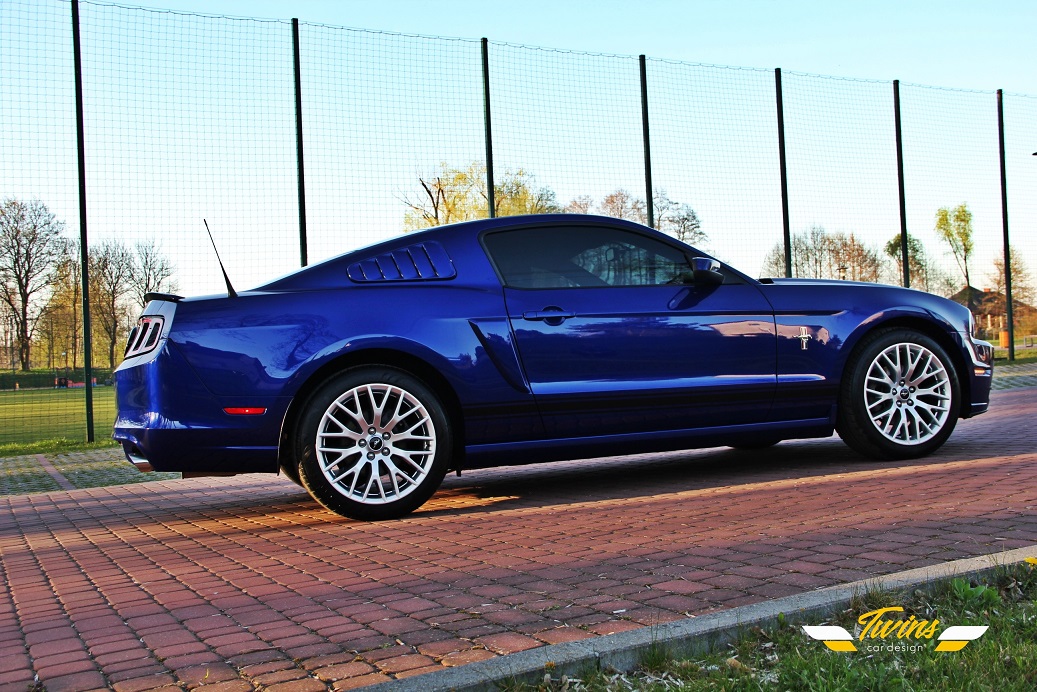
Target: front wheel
(900, 396)
(373, 443)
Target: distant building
(989, 308)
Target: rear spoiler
(169, 297)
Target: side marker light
(244, 411)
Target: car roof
(463, 232)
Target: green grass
(53, 445)
(95, 471)
(22, 476)
(1027, 356)
(92, 466)
(785, 658)
(28, 416)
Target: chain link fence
(297, 142)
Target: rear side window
(579, 257)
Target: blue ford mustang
(368, 377)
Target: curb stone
(624, 651)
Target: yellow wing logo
(834, 637)
(838, 639)
(955, 638)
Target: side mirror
(706, 271)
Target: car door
(613, 339)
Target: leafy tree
(455, 194)
(448, 196)
(30, 246)
(111, 271)
(954, 226)
(64, 308)
(924, 273)
(916, 259)
(520, 194)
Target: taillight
(145, 335)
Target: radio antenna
(230, 289)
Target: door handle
(551, 315)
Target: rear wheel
(373, 443)
(291, 473)
(900, 396)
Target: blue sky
(952, 43)
(189, 117)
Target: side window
(632, 260)
(583, 257)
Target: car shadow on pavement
(642, 476)
(263, 498)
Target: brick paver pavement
(1009, 376)
(245, 583)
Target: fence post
(905, 256)
(649, 195)
(784, 174)
(490, 202)
(84, 250)
(298, 143)
(1004, 225)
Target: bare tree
(152, 272)
(623, 205)
(1023, 294)
(30, 245)
(818, 254)
(812, 254)
(774, 262)
(581, 204)
(678, 219)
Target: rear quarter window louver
(420, 262)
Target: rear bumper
(180, 450)
(168, 421)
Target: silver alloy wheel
(907, 393)
(376, 443)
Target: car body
(528, 339)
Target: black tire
(373, 419)
(900, 396)
(291, 473)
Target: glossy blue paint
(649, 358)
(526, 373)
